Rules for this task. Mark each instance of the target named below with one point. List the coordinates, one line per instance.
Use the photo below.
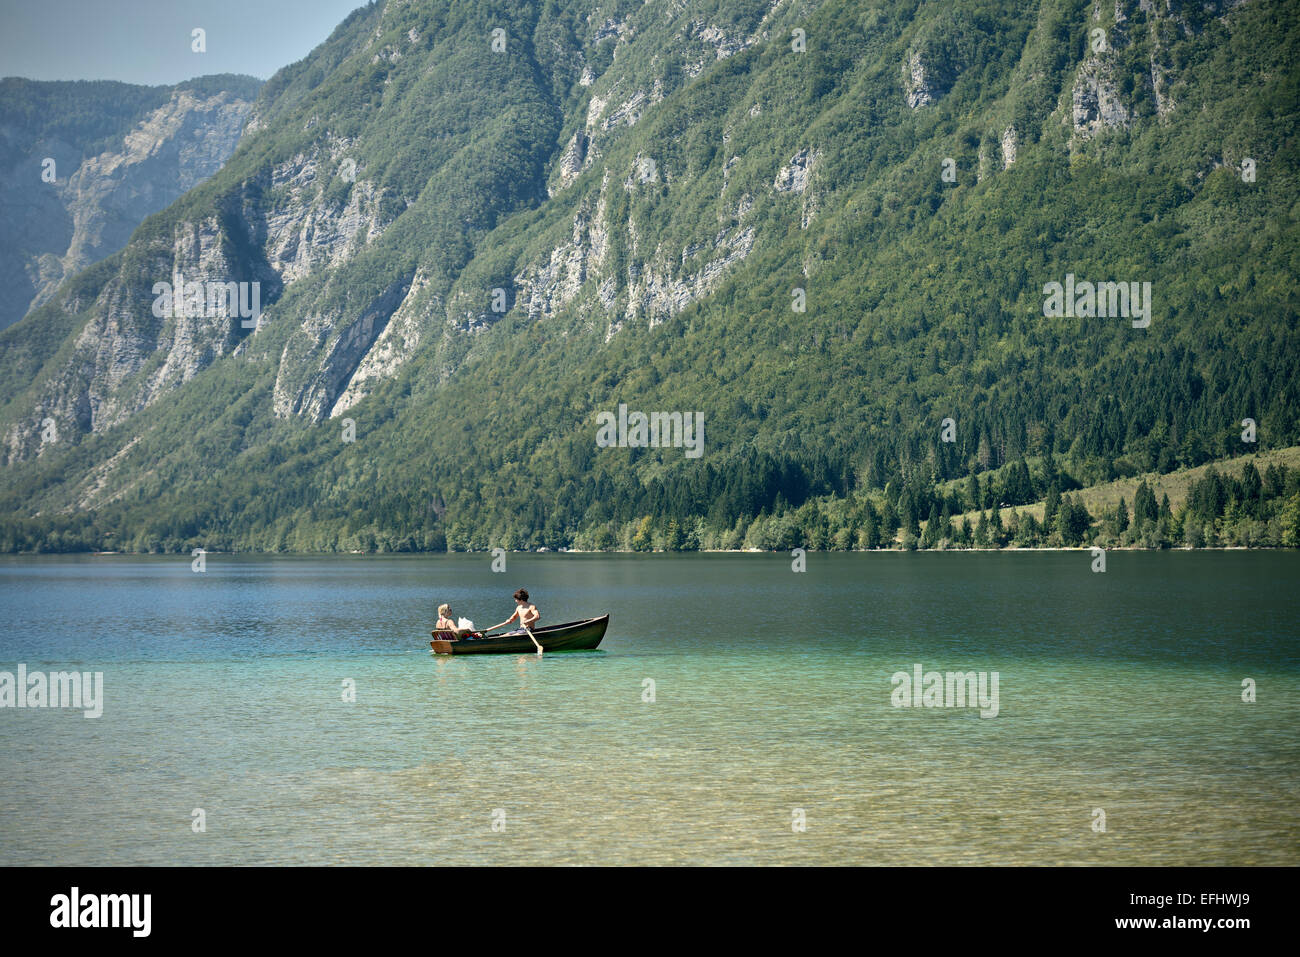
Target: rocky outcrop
(659, 290)
(626, 113)
(274, 231)
(719, 42)
(544, 288)
(1160, 89)
(1008, 147)
(91, 210)
(572, 162)
(794, 177)
(401, 336)
(136, 346)
(303, 232)
(613, 28)
(322, 355)
(921, 84)
(652, 287)
(1095, 102)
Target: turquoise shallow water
(223, 691)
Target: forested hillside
(830, 231)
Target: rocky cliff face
(90, 209)
(1096, 104)
(921, 85)
(126, 356)
(294, 223)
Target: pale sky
(149, 41)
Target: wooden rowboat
(570, 636)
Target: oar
(534, 637)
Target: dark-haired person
(526, 612)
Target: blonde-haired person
(446, 622)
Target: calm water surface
(223, 691)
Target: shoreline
(699, 551)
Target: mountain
(85, 162)
(839, 235)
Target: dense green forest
(919, 381)
(1248, 510)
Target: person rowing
(525, 612)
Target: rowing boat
(571, 636)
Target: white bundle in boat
(465, 624)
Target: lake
(738, 712)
